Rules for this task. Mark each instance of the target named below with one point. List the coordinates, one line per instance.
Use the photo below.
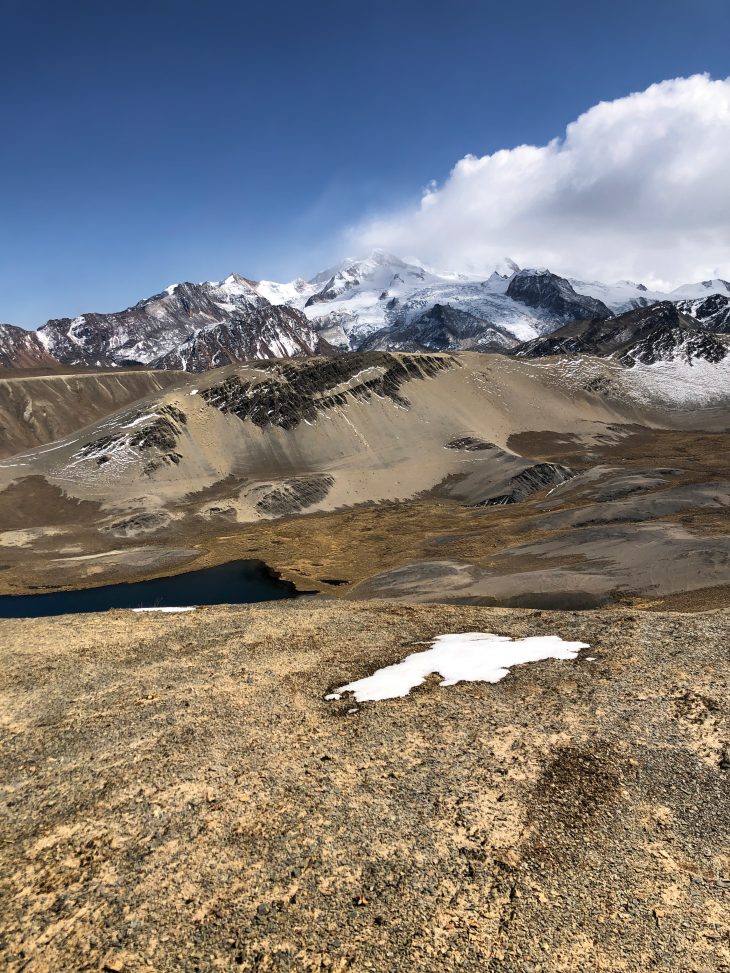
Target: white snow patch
(684, 383)
(90, 557)
(461, 657)
(136, 422)
(702, 288)
(189, 608)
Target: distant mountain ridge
(153, 329)
(379, 302)
(441, 328)
(22, 349)
(645, 336)
(264, 332)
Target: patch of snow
(703, 288)
(623, 295)
(90, 557)
(45, 339)
(677, 384)
(287, 293)
(683, 383)
(136, 422)
(461, 657)
(51, 449)
(189, 608)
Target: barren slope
(454, 453)
(178, 795)
(37, 409)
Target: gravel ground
(177, 795)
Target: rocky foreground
(178, 795)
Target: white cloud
(638, 188)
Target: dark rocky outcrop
(265, 332)
(542, 289)
(142, 523)
(441, 328)
(659, 332)
(157, 439)
(541, 476)
(295, 494)
(470, 444)
(298, 391)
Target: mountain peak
(381, 256)
(399, 300)
(238, 279)
(506, 267)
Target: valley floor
(178, 795)
(645, 523)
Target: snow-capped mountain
(712, 312)
(359, 302)
(234, 321)
(381, 301)
(646, 336)
(152, 327)
(625, 295)
(703, 288)
(21, 349)
(350, 303)
(441, 328)
(263, 332)
(358, 297)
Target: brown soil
(355, 544)
(178, 796)
(34, 502)
(39, 405)
(634, 447)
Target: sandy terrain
(386, 443)
(38, 408)
(338, 472)
(178, 795)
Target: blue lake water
(238, 582)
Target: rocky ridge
(160, 330)
(379, 302)
(298, 393)
(647, 335)
(441, 328)
(542, 289)
(263, 332)
(712, 313)
(22, 349)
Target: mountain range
(385, 303)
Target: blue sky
(145, 143)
